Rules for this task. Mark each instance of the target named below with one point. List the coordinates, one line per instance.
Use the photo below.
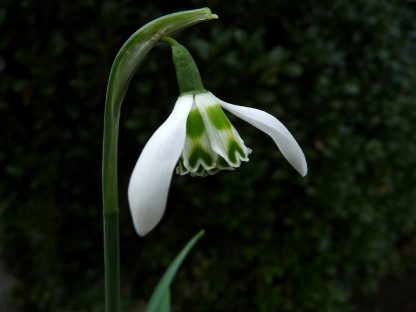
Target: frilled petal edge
(149, 183)
(275, 129)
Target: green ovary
(217, 117)
(233, 149)
(194, 125)
(199, 153)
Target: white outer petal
(275, 129)
(150, 180)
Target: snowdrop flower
(197, 138)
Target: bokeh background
(339, 74)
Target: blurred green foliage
(340, 74)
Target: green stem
(125, 65)
(111, 261)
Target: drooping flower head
(197, 138)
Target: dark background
(339, 74)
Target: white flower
(198, 138)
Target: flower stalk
(187, 73)
(124, 66)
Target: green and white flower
(211, 143)
(200, 136)
(197, 138)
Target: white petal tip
(142, 233)
(275, 129)
(142, 228)
(146, 211)
(301, 167)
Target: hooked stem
(126, 63)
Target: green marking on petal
(194, 125)
(222, 163)
(233, 149)
(218, 118)
(199, 153)
(180, 168)
(200, 172)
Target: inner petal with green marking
(224, 138)
(212, 143)
(197, 154)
